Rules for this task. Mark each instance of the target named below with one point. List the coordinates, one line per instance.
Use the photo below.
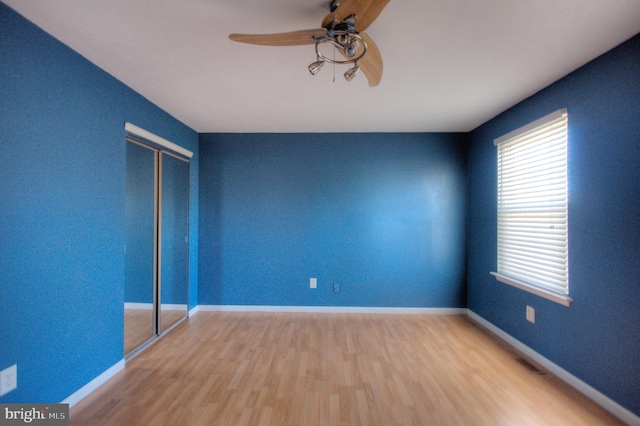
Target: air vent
(530, 367)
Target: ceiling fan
(343, 28)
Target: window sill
(549, 295)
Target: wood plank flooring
(230, 368)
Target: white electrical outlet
(531, 314)
(313, 283)
(8, 379)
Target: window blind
(532, 204)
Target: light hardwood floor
(230, 368)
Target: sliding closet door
(157, 244)
(140, 248)
(174, 241)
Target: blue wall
(382, 215)
(597, 338)
(62, 192)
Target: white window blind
(532, 206)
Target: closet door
(140, 248)
(157, 238)
(174, 240)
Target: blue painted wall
(598, 338)
(62, 192)
(382, 215)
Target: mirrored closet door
(157, 243)
(174, 231)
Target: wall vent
(530, 367)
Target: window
(532, 208)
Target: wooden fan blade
(371, 62)
(366, 11)
(293, 38)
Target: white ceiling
(449, 65)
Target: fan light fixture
(315, 67)
(351, 72)
(350, 44)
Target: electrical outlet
(336, 288)
(531, 314)
(8, 379)
(313, 282)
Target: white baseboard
(193, 311)
(174, 307)
(149, 306)
(331, 309)
(596, 396)
(134, 305)
(94, 384)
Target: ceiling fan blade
(371, 62)
(293, 38)
(366, 10)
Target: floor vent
(530, 367)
